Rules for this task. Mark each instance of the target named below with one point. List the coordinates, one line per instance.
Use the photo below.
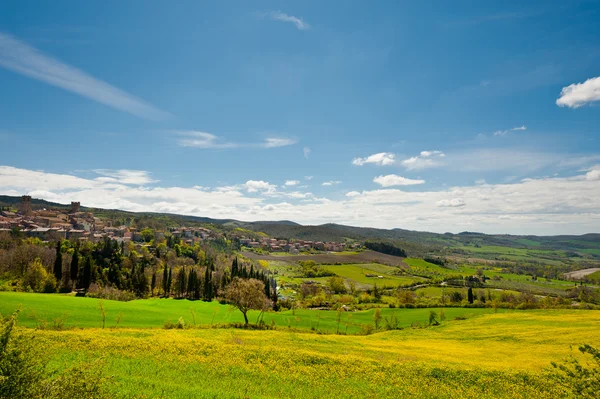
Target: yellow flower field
(488, 356)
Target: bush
(23, 371)
(583, 381)
(110, 293)
(35, 277)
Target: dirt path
(579, 274)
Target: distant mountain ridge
(330, 231)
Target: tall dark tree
(165, 280)
(169, 281)
(58, 263)
(153, 283)
(208, 286)
(234, 268)
(181, 283)
(75, 265)
(86, 279)
(470, 295)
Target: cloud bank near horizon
(557, 205)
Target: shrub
(35, 277)
(110, 293)
(23, 371)
(583, 381)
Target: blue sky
(440, 116)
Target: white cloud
(19, 57)
(292, 182)
(453, 203)
(331, 183)
(395, 180)
(306, 151)
(308, 177)
(125, 176)
(283, 17)
(593, 173)
(381, 159)
(514, 129)
(556, 205)
(578, 94)
(273, 142)
(205, 140)
(259, 185)
(427, 159)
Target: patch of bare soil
(579, 274)
(329, 258)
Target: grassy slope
(491, 356)
(153, 313)
(357, 273)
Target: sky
(431, 116)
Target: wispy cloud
(283, 17)
(381, 159)
(427, 159)
(197, 139)
(331, 183)
(19, 57)
(306, 151)
(578, 94)
(291, 182)
(124, 176)
(395, 180)
(514, 129)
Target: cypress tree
(170, 281)
(470, 295)
(75, 265)
(165, 280)
(87, 273)
(234, 268)
(182, 283)
(58, 263)
(153, 284)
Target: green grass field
(485, 355)
(358, 275)
(153, 313)
(488, 356)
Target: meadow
(48, 310)
(503, 355)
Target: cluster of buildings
(295, 246)
(73, 224)
(50, 224)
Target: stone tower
(75, 207)
(26, 205)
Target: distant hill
(414, 241)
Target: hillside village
(75, 224)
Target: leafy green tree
(247, 294)
(336, 285)
(147, 234)
(58, 262)
(376, 292)
(35, 277)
